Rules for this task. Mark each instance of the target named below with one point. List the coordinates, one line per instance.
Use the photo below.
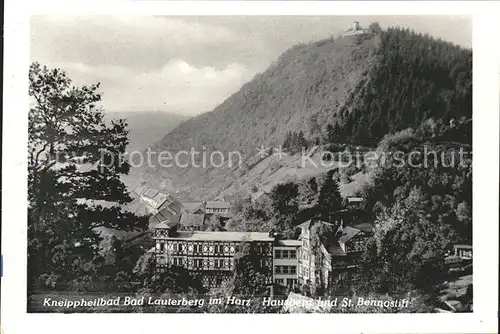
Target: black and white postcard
(176, 163)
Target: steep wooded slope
(305, 80)
(353, 89)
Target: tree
(402, 235)
(214, 223)
(174, 279)
(285, 206)
(250, 280)
(375, 27)
(329, 200)
(74, 164)
(308, 192)
(301, 142)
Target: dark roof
(191, 219)
(463, 246)
(365, 227)
(159, 199)
(348, 233)
(221, 236)
(336, 250)
(165, 214)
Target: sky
(189, 65)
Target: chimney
(275, 235)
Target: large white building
(286, 255)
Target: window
(162, 246)
(293, 254)
(279, 281)
(277, 254)
(293, 269)
(216, 263)
(277, 269)
(175, 247)
(285, 254)
(284, 269)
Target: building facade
(217, 207)
(289, 264)
(463, 251)
(286, 255)
(209, 255)
(329, 264)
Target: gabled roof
(191, 219)
(192, 206)
(348, 233)
(163, 215)
(166, 224)
(159, 199)
(336, 250)
(365, 227)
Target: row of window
(195, 263)
(217, 263)
(217, 249)
(210, 210)
(285, 270)
(290, 282)
(285, 254)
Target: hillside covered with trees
(348, 89)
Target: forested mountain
(384, 82)
(348, 89)
(416, 78)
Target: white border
(485, 145)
